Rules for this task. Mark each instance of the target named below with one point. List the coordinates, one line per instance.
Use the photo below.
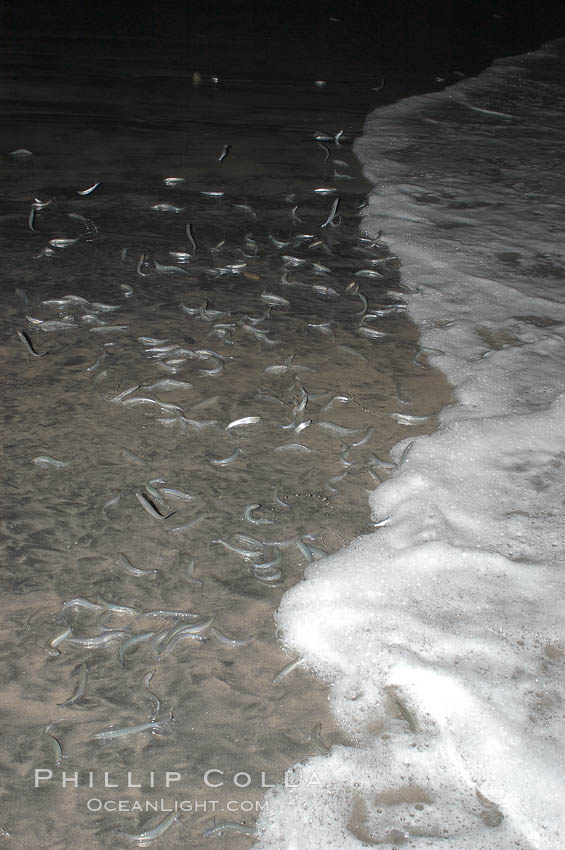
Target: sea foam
(441, 634)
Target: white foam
(441, 635)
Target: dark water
(130, 98)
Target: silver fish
(332, 214)
(245, 420)
(406, 419)
(90, 189)
(224, 153)
(163, 207)
(148, 835)
(369, 273)
(63, 243)
(274, 300)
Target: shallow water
(130, 123)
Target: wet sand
(288, 364)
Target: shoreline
(463, 579)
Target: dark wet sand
(63, 535)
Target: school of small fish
(253, 340)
